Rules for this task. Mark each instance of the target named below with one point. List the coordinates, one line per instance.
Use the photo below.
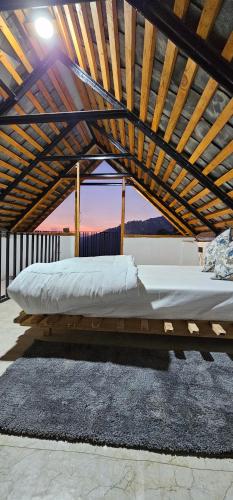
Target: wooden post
(77, 212)
(123, 216)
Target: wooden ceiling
(184, 167)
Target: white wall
(149, 250)
(173, 251)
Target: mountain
(155, 225)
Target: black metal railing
(104, 243)
(19, 250)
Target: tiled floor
(50, 470)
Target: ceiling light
(44, 27)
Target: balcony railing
(19, 250)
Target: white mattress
(183, 292)
(173, 292)
(164, 292)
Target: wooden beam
(155, 137)
(98, 23)
(218, 213)
(67, 39)
(159, 14)
(67, 116)
(36, 160)
(89, 48)
(208, 15)
(54, 76)
(224, 153)
(205, 98)
(16, 47)
(112, 22)
(97, 156)
(8, 139)
(180, 8)
(130, 50)
(147, 67)
(29, 212)
(202, 104)
(17, 158)
(88, 97)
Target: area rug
(163, 401)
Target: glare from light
(44, 27)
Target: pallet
(128, 325)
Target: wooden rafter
(130, 42)
(111, 11)
(18, 51)
(159, 14)
(202, 104)
(54, 76)
(34, 101)
(98, 23)
(204, 180)
(147, 67)
(208, 15)
(180, 8)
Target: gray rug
(120, 396)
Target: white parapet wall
(162, 250)
(66, 247)
(149, 249)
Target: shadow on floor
(177, 344)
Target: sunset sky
(100, 207)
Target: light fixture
(44, 27)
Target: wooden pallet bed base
(224, 329)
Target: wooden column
(123, 216)
(77, 212)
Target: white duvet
(72, 284)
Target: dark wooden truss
(67, 116)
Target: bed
(114, 288)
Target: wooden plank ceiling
(140, 67)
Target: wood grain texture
(223, 330)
